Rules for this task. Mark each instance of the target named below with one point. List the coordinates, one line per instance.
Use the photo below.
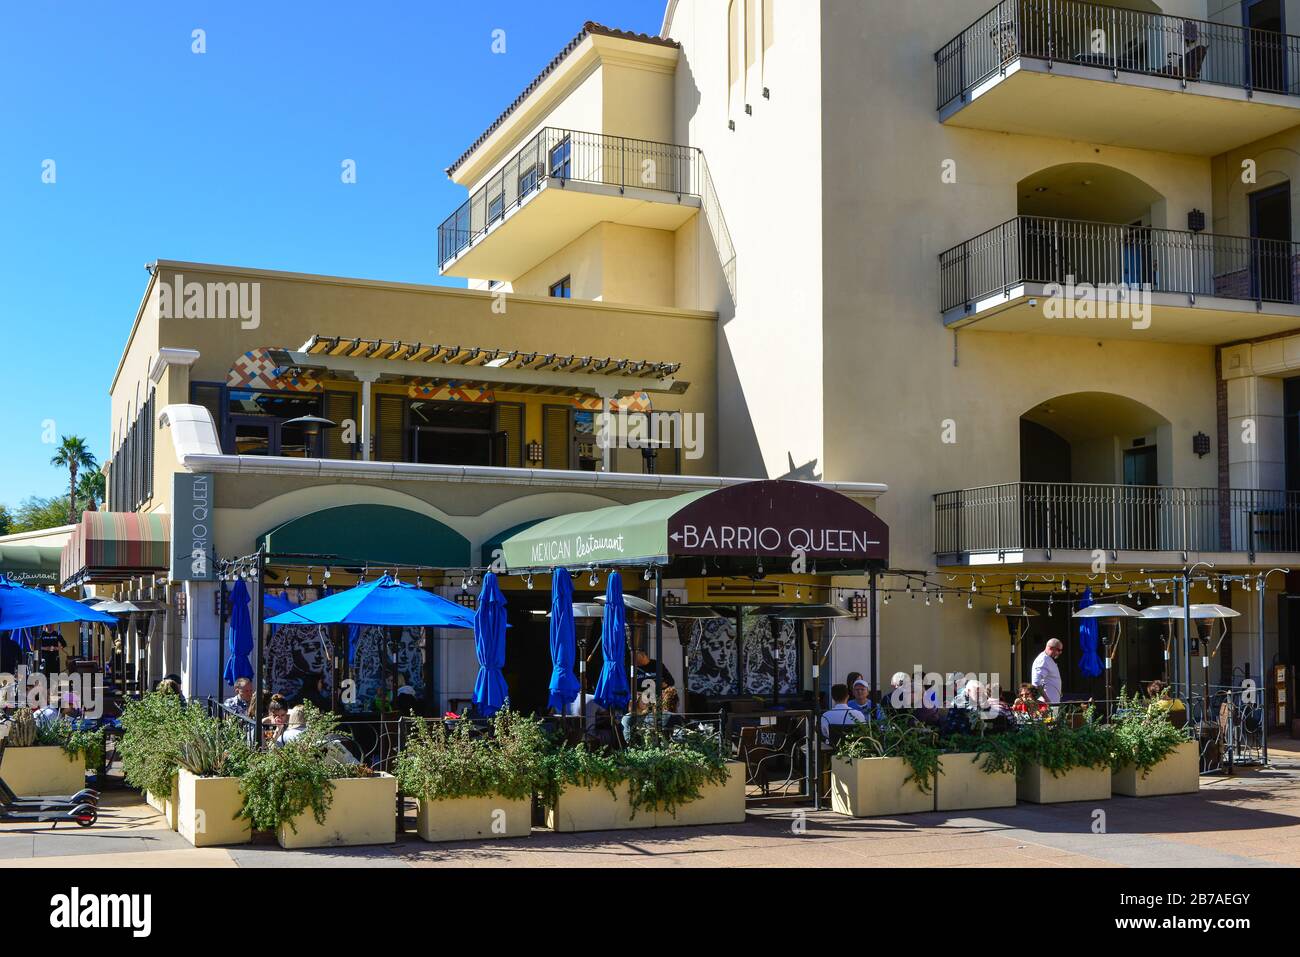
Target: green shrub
(1058, 747)
(998, 752)
(60, 732)
(1143, 735)
(898, 736)
(438, 764)
(152, 731)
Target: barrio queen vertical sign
(192, 512)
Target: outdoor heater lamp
(312, 425)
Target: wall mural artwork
(296, 656)
(711, 657)
(375, 660)
(255, 369)
(770, 647)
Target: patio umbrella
(564, 685)
(23, 607)
(490, 690)
(382, 602)
(612, 688)
(1089, 663)
(239, 636)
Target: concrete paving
(1249, 820)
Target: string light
(528, 580)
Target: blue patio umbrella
(239, 635)
(22, 607)
(277, 604)
(490, 690)
(564, 684)
(611, 690)
(1089, 661)
(385, 602)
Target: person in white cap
(1045, 674)
(297, 726)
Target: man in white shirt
(1045, 674)
(840, 712)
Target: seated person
(839, 713)
(1029, 701)
(860, 699)
(295, 725)
(899, 697)
(1162, 699)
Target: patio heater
(1112, 615)
(1210, 613)
(313, 427)
(1017, 617)
(1168, 614)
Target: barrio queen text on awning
(767, 540)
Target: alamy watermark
(211, 300)
(652, 430)
(1107, 300)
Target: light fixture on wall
(1201, 444)
(534, 452)
(1196, 220)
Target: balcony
(561, 184)
(1119, 77)
(1036, 274)
(1038, 522)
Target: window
(562, 289)
(561, 159)
(457, 433)
(528, 181)
(253, 422)
(130, 473)
(496, 208)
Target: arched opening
(1090, 192)
(1094, 438)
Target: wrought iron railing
(1119, 40)
(1125, 259)
(1115, 518)
(556, 156)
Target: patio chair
(768, 753)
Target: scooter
(84, 815)
(16, 802)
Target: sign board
(193, 554)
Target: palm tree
(73, 455)
(90, 489)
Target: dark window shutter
(340, 408)
(508, 418)
(557, 423)
(209, 395)
(390, 414)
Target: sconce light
(858, 605)
(467, 599)
(1196, 221)
(1201, 444)
(534, 452)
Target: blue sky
(232, 156)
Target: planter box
(32, 772)
(877, 787)
(472, 818)
(206, 809)
(964, 785)
(593, 809)
(167, 806)
(717, 804)
(1035, 783)
(364, 811)
(1177, 773)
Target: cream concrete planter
(1177, 773)
(964, 785)
(364, 811)
(1038, 785)
(717, 804)
(594, 809)
(167, 806)
(206, 809)
(31, 772)
(472, 818)
(877, 787)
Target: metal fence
(557, 157)
(1119, 40)
(1048, 515)
(1117, 259)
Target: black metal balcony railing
(564, 156)
(1120, 40)
(1044, 250)
(1122, 518)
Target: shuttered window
(341, 409)
(211, 395)
(556, 436)
(390, 428)
(508, 424)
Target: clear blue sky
(232, 156)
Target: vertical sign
(192, 549)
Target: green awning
(374, 535)
(497, 540)
(741, 523)
(31, 564)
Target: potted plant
(212, 755)
(977, 771)
(685, 781)
(1058, 762)
(471, 785)
(311, 794)
(885, 768)
(1150, 756)
(152, 731)
(48, 757)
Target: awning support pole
(221, 641)
(874, 663)
(659, 638)
(259, 625)
(367, 415)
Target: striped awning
(115, 546)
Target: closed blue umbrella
(490, 690)
(239, 635)
(23, 607)
(564, 685)
(611, 690)
(1089, 661)
(384, 602)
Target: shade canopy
(734, 527)
(31, 564)
(376, 535)
(115, 546)
(23, 607)
(384, 602)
